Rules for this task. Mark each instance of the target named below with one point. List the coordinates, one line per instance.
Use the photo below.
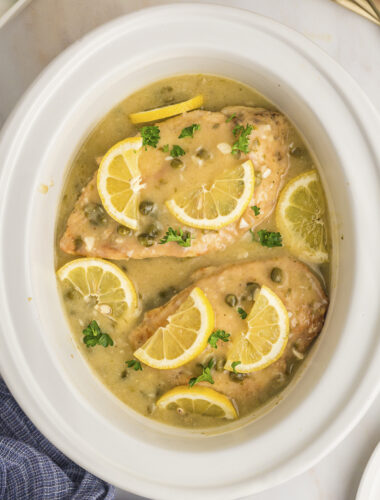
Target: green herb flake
(218, 335)
(205, 376)
(242, 313)
(231, 117)
(150, 135)
(268, 238)
(182, 238)
(165, 148)
(189, 131)
(177, 151)
(237, 129)
(133, 363)
(94, 336)
(234, 365)
(256, 210)
(242, 142)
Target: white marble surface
(45, 27)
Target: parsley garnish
(94, 336)
(189, 131)
(242, 143)
(150, 135)
(237, 129)
(218, 335)
(268, 238)
(234, 365)
(165, 148)
(231, 117)
(133, 363)
(176, 151)
(206, 375)
(256, 210)
(182, 238)
(242, 313)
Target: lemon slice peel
(183, 202)
(178, 342)
(201, 400)
(156, 114)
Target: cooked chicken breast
(91, 232)
(302, 295)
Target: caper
(219, 365)
(203, 154)
(297, 152)
(145, 239)
(231, 300)
(166, 88)
(95, 213)
(237, 377)
(78, 242)
(146, 207)
(176, 163)
(153, 229)
(252, 287)
(291, 365)
(276, 275)
(124, 230)
(70, 295)
(167, 293)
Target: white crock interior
(53, 382)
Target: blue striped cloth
(31, 468)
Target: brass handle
(370, 9)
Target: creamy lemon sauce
(158, 279)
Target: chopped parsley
(189, 131)
(231, 117)
(150, 135)
(94, 336)
(218, 335)
(234, 365)
(242, 313)
(242, 142)
(165, 148)
(182, 238)
(133, 363)
(177, 151)
(256, 210)
(205, 376)
(268, 238)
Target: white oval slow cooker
(38, 358)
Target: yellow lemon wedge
(102, 284)
(266, 336)
(183, 338)
(301, 217)
(199, 400)
(216, 206)
(156, 114)
(119, 181)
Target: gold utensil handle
(366, 8)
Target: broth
(157, 279)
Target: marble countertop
(40, 31)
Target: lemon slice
(199, 400)
(266, 337)
(218, 205)
(183, 338)
(160, 113)
(104, 283)
(119, 181)
(300, 217)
